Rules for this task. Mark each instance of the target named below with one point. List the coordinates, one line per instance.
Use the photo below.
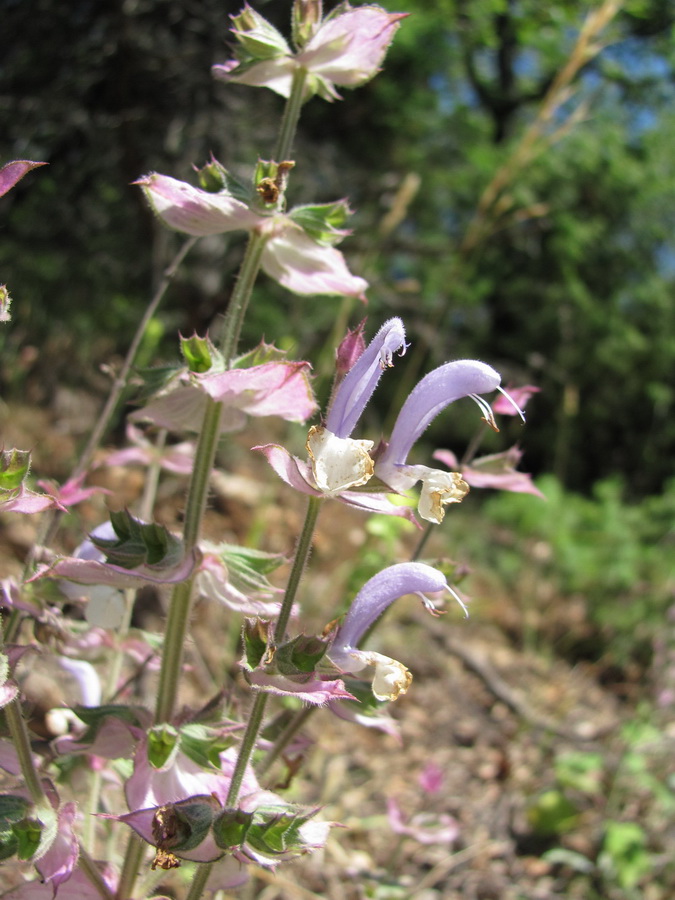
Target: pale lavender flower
(346, 49)
(450, 382)
(338, 462)
(391, 677)
(290, 256)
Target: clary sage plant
(123, 793)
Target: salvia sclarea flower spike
(346, 48)
(450, 382)
(391, 677)
(339, 462)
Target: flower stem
(199, 879)
(299, 563)
(289, 122)
(236, 310)
(121, 380)
(132, 863)
(19, 735)
(255, 719)
(205, 454)
(179, 607)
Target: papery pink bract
(346, 49)
(24, 501)
(496, 471)
(57, 864)
(175, 458)
(290, 256)
(79, 887)
(91, 571)
(71, 492)
(519, 395)
(280, 388)
(312, 690)
(212, 582)
(426, 828)
(195, 211)
(12, 172)
(303, 266)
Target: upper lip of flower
(450, 382)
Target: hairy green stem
(130, 867)
(121, 380)
(255, 718)
(172, 656)
(236, 310)
(199, 880)
(19, 735)
(299, 563)
(289, 122)
(205, 455)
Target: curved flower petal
(377, 594)
(357, 387)
(431, 395)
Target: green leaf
(162, 743)
(28, 834)
(255, 641)
(300, 655)
(12, 809)
(139, 543)
(14, 466)
(216, 179)
(260, 355)
(198, 353)
(275, 831)
(230, 828)
(203, 744)
(322, 222)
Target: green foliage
(610, 553)
(624, 856)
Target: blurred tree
(561, 273)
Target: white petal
(338, 463)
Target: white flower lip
(338, 464)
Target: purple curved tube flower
(391, 677)
(359, 383)
(462, 378)
(338, 462)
